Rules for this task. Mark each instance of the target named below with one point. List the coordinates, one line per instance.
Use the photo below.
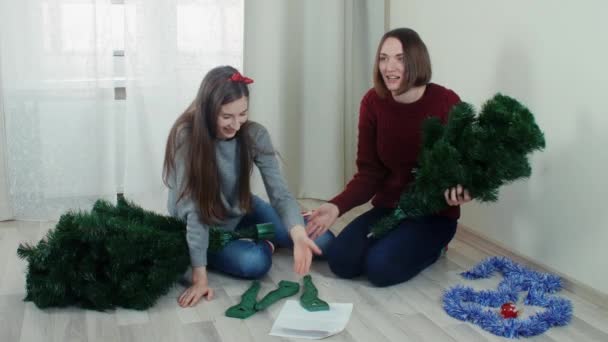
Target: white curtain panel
(69, 142)
(56, 70)
(169, 47)
(311, 61)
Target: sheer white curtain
(58, 104)
(69, 141)
(170, 45)
(312, 64)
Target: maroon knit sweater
(390, 138)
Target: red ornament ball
(508, 310)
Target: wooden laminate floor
(407, 312)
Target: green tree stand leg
(246, 307)
(286, 289)
(310, 298)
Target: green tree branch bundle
(114, 256)
(480, 152)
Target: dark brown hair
(415, 56)
(195, 132)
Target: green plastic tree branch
(246, 307)
(310, 297)
(285, 289)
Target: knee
(382, 273)
(342, 270)
(341, 265)
(382, 278)
(255, 263)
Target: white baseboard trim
(476, 240)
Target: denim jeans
(252, 260)
(400, 255)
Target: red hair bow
(237, 77)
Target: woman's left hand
(303, 249)
(457, 195)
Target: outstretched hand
(321, 219)
(303, 250)
(197, 290)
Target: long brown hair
(195, 131)
(416, 57)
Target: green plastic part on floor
(246, 307)
(310, 297)
(285, 289)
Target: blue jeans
(397, 257)
(252, 260)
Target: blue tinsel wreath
(466, 304)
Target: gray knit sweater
(227, 154)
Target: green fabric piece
(246, 307)
(310, 297)
(285, 289)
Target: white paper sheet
(294, 321)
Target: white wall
(553, 57)
(6, 211)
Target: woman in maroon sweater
(390, 121)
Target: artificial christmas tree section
(481, 153)
(98, 261)
(114, 256)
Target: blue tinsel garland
(466, 304)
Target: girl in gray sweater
(209, 157)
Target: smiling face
(231, 117)
(391, 64)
